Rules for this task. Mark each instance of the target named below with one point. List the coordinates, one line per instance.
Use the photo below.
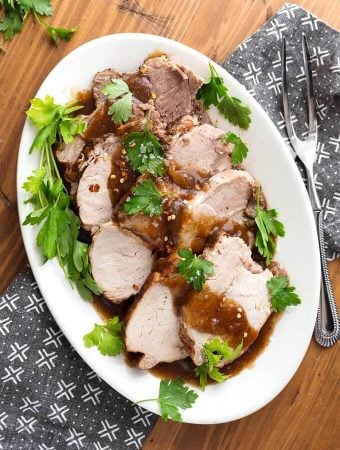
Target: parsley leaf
(240, 149)
(215, 351)
(11, 23)
(144, 152)
(34, 182)
(58, 234)
(42, 7)
(119, 93)
(17, 11)
(108, 338)
(267, 229)
(212, 90)
(145, 198)
(65, 34)
(194, 268)
(173, 394)
(233, 109)
(215, 92)
(281, 294)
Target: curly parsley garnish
(17, 11)
(281, 294)
(267, 229)
(58, 235)
(145, 152)
(108, 338)
(194, 268)
(119, 93)
(145, 198)
(215, 92)
(173, 394)
(240, 150)
(215, 351)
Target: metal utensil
(327, 327)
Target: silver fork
(327, 327)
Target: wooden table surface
(306, 414)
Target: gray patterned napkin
(49, 398)
(256, 63)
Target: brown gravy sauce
(185, 368)
(205, 311)
(213, 313)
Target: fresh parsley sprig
(59, 225)
(215, 351)
(145, 152)
(173, 395)
(215, 92)
(281, 294)
(108, 338)
(145, 198)
(240, 150)
(194, 268)
(17, 11)
(268, 228)
(119, 93)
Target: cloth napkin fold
(49, 397)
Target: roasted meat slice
(171, 87)
(68, 155)
(197, 155)
(234, 303)
(120, 261)
(152, 325)
(93, 196)
(150, 229)
(100, 80)
(226, 194)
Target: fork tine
(286, 111)
(312, 122)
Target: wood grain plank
(12, 253)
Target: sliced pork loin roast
(234, 303)
(100, 80)
(120, 261)
(225, 194)
(69, 155)
(197, 154)
(93, 195)
(171, 87)
(150, 229)
(152, 325)
(153, 229)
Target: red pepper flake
(94, 188)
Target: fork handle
(327, 327)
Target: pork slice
(170, 86)
(120, 261)
(93, 195)
(226, 194)
(234, 304)
(152, 326)
(198, 154)
(100, 80)
(68, 155)
(150, 229)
